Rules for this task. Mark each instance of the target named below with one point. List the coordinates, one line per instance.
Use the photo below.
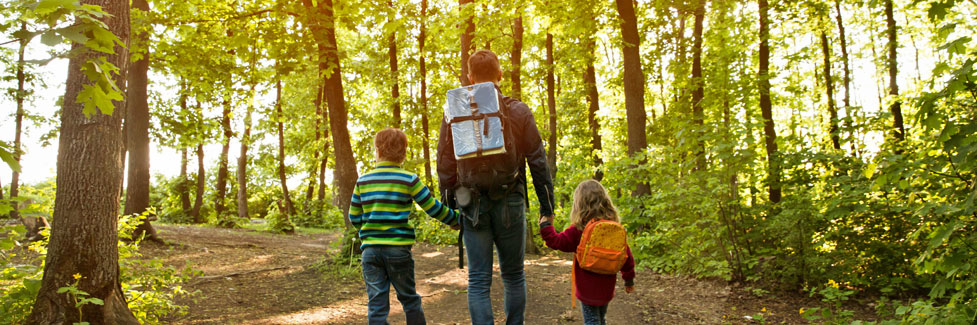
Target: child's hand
(629, 289)
(545, 218)
(456, 227)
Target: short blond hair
(391, 144)
(590, 202)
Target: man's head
(483, 66)
(391, 144)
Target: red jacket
(592, 288)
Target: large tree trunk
(830, 92)
(280, 117)
(84, 236)
(137, 132)
(766, 109)
(466, 40)
(425, 123)
(242, 160)
(19, 124)
(698, 91)
(551, 105)
(324, 31)
(847, 81)
(899, 131)
(222, 173)
(392, 53)
(593, 105)
(634, 87)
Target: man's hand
(629, 289)
(545, 218)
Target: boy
(381, 203)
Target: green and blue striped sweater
(382, 202)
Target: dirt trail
(258, 278)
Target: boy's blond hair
(591, 201)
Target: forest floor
(254, 277)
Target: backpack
(603, 247)
(481, 132)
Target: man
(499, 216)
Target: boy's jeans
(507, 231)
(386, 265)
(593, 315)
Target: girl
(595, 291)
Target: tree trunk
(184, 187)
(847, 79)
(634, 88)
(242, 160)
(392, 53)
(766, 109)
(899, 131)
(84, 236)
(551, 105)
(425, 123)
(325, 139)
(324, 31)
(289, 207)
(315, 157)
(593, 105)
(829, 87)
(466, 40)
(698, 91)
(137, 132)
(222, 172)
(516, 58)
(198, 200)
(19, 124)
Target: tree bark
(242, 160)
(899, 131)
(593, 105)
(392, 53)
(289, 207)
(551, 105)
(698, 91)
(137, 132)
(847, 79)
(466, 41)
(222, 173)
(323, 30)
(315, 157)
(425, 123)
(19, 124)
(198, 200)
(325, 139)
(766, 109)
(830, 92)
(634, 88)
(516, 58)
(84, 236)
(183, 188)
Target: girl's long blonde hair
(591, 201)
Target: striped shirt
(382, 202)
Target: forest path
(253, 277)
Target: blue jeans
(593, 315)
(505, 227)
(386, 265)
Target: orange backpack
(603, 247)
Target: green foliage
(835, 313)
(79, 297)
(279, 222)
